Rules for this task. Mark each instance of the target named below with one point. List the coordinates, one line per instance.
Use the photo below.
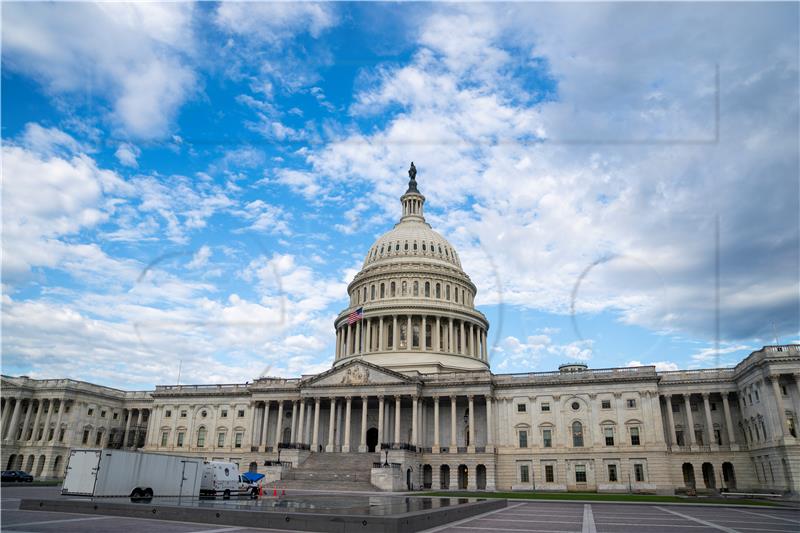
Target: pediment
(357, 373)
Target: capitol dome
(416, 302)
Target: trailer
(136, 475)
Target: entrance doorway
(408, 479)
(372, 439)
(462, 477)
(708, 476)
(688, 475)
(728, 476)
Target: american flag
(355, 316)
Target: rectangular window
(523, 439)
(61, 436)
(183, 414)
(718, 437)
(679, 437)
(609, 435)
(180, 439)
(547, 438)
(693, 407)
(612, 473)
(634, 436)
(102, 414)
(50, 434)
(201, 438)
(580, 473)
(524, 475)
(85, 437)
(548, 473)
(698, 437)
(167, 414)
(115, 416)
(631, 403)
(784, 391)
(240, 413)
(638, 472)
(522, 408)
(676, 408)
(98, 438)
(713, 406)
(238, 442)
(223, 413)
(164, 437)
(605, 404)
(545, 407)
(91, 412)
(221, 440)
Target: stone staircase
(331, 471)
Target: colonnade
(395, 413)
(36, 415)
(412, 332)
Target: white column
(462, 339)
(358, 345)
(709, 422)
(397, 419)
(485, 347)
(436, 443)
(60, 418)
(301, 425)
(380, 420)
(471, 346)
(395, 334)
(254, 429)
(437, 337)
(46, 432)
(450, 343)
(265, 426)
(293, 433)
(728, 421)
(381, 342)
(349, 340)
(423, 336)
(472, 424)
(414, 419)
(315, 434)
(39, 409)
(27, 420)
(409, 333)
(278, 424)
(689, 418)
(363, 446)
(490, 426)
(671, 420)
(331, 426)
(346, 446)
(11, 430)
(453, 438)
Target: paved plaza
(532, 517)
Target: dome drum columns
(412, 332)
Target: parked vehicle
(17, 475)
(137, 475)
(222, 478)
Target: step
(360, 486)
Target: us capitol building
(411, 386)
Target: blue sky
(195, 184)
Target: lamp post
(386, 461)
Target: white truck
(222, 478)
(137, 475)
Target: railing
(398, 446)
(480, 449)
(395, 466)
(462, 449)
(203, 388)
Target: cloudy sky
(194, 185)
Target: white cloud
(512, 354)
(130, 55)
(200, 258)
(272, 22)
(127, 154)
(661, 366)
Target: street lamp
(386, 461)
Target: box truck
(137, 475)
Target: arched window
(455, 294)
(397, 247)
(438, 290)
(201, 437)
(415, 246)
(577, 434)
(372, 293)
(463, 301)
(447, 292)
(428, 289)
(392, 291)
(403, 289)
(383, 291)
(406, 246)
(365, 294)
(381, 249)
(416, 288)
(424, 249)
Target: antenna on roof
(775, 333)
(180, 364)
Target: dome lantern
(412, 200)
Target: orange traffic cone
(275, 492)
(283, 492)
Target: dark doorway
(480, 477)
(728, 476)
(708, 476)
(444, 477)
(408, 479)
(463, 475)
(372, 439)
(688, 475)
(427, 476)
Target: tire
(136, 495)
(226, 495)
(147, 495)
